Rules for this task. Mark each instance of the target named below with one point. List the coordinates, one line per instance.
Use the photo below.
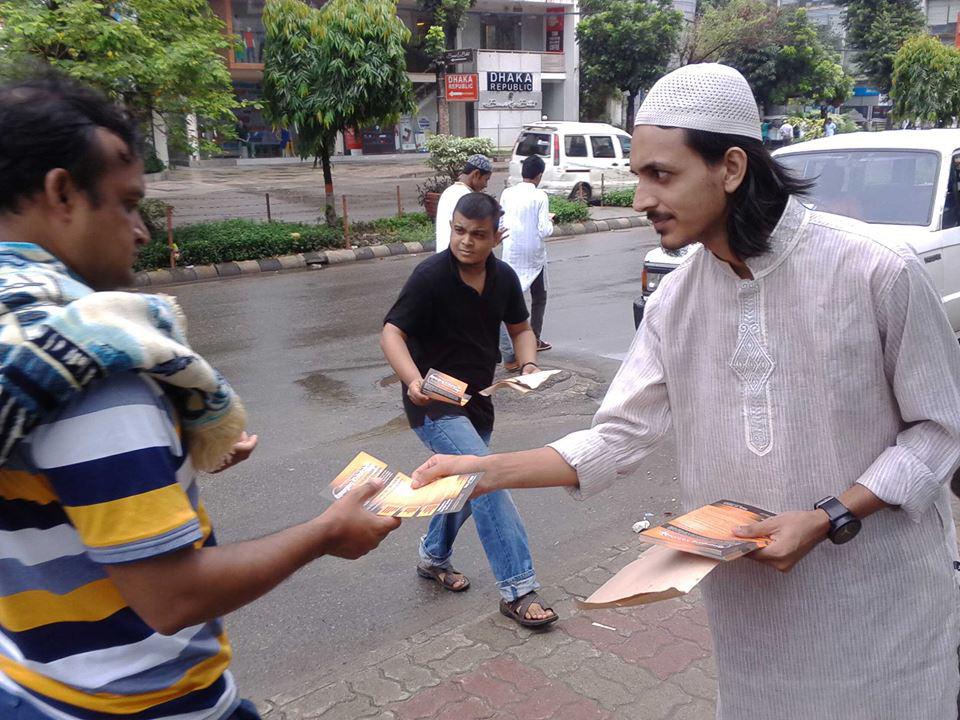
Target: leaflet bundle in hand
(398, 498)
(445, 388)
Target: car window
(625, 144)
(602, 146)
(951, 204)
(575, 146)
(530, 143)
(895, 187)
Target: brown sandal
(444, 576)
(517, 610)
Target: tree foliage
(877, 29)
(627, 44)
(161, 56)
(780, 52)
(926, 81)
(341, 66)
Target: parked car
(581, 158)
(905, 183)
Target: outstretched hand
(793, 535)
(354, 531)
(242, 449)
(440, 466)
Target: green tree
(448, 16)
(780, 52)
(154, 56)
(627, 44)
(877, 29)
(340, 66)
(926, 81)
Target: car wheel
(581, 192)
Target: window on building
(602, 146)
(500, 32)
(575, 146)
(247, 22)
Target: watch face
(846, 532)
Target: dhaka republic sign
(509, 81)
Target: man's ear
(59, 193)
(734, 169)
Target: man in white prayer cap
(804, 367)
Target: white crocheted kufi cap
(707, 96)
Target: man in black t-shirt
(448, 318)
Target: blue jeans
(15, 708)
(498, 523)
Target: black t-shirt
(452, 328)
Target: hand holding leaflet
(397, 498)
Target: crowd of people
(801, 365)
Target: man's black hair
(755, 206)
(532, 167)
(470, 167)
(50, 122)
(479, 206)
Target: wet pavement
(302, 350)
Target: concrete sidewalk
(645, 663)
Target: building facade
(525, 66)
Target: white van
(581, 158)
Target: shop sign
(509, 81)
(462, 55)
(555, 29)
(511, 101)
(462, 87)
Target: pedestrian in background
(829, 128)
(448, 318)
(474, 178)
(786, 132)
(804, 367)
(528, 222)
(113, 585)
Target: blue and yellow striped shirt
(106, 480)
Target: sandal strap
(522, 604)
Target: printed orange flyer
(445, 388)
(398, 498)
(708, 531)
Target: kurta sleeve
(544, 223)
(922, 364)
(633, 418)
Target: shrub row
(619, 198)
(233, 240)
(568, 211)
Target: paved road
(302, 350)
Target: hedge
(568, 211)
(619, 198)
(232, 240)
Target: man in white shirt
(786, 132)
(528, 221)
(474, 178)
(804, 367)
(829, 128)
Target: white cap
(706, 96)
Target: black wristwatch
(844, 525)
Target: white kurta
(834, 365)
(445, 207)
(526, 217)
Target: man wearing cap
(474, 178)
(804, 367)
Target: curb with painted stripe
(197, 273)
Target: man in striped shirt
(111, 581)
